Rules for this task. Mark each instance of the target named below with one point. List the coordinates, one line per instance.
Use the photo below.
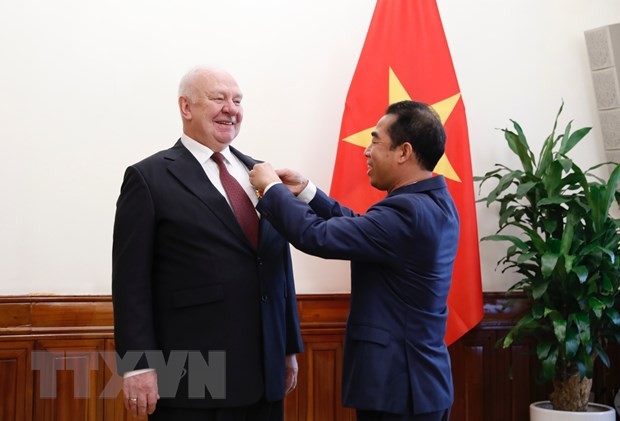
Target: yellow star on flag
(398, 93)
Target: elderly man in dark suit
(196, 272)
(402, 251)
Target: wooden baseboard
(490, 383)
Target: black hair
(418, 124)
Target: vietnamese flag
(406, 56)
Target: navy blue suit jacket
(402, 253)
(185, 278)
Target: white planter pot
(541, 411)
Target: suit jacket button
(264, 298)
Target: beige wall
(87, 88)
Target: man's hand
(262, 175)
(293, 180)
(140, 393)
(291, 373)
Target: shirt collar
(432, 183)
(201, 152)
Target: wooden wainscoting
(76, 378)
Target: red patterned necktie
(239, 200)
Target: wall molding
(77, 314)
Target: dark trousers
(260, 411)
(385, 416)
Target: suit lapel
(184, 167)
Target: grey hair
(187, 87)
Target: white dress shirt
(235, 167)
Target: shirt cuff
(270, 185)
(308, 193)
(136, 372)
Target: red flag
(406, 56)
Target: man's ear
(406, 152)
(184, 106)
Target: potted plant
(565, 245)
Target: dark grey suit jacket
(185, 278)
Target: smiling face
(382, 159)
(211, 108)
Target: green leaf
(542, 350)
(607, 286)
(612, 187)
(566, 163)
(572, 181)
(515, 240)
(526, 322)
(552, 178)
(612, 256)
(546, 152)
(608, 299)
(581, 272)
(596, 200)
(572, 343)
(555, 122)
(555, 200)
(613, 315)
(518, 144)
(585, 365)
(550, 225)
(539, 290)
(548, 365)
(508, 339)
(600, 352)
(568, 263)
(503, 184)
(506, 214)
(525, 257)
(569, 230)
(570, 140)
(559, 328)
(538, 311)
(490, 174)
(597, 306)
(524, 188)
(582, 322)
(549, 260)
(539, 243)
